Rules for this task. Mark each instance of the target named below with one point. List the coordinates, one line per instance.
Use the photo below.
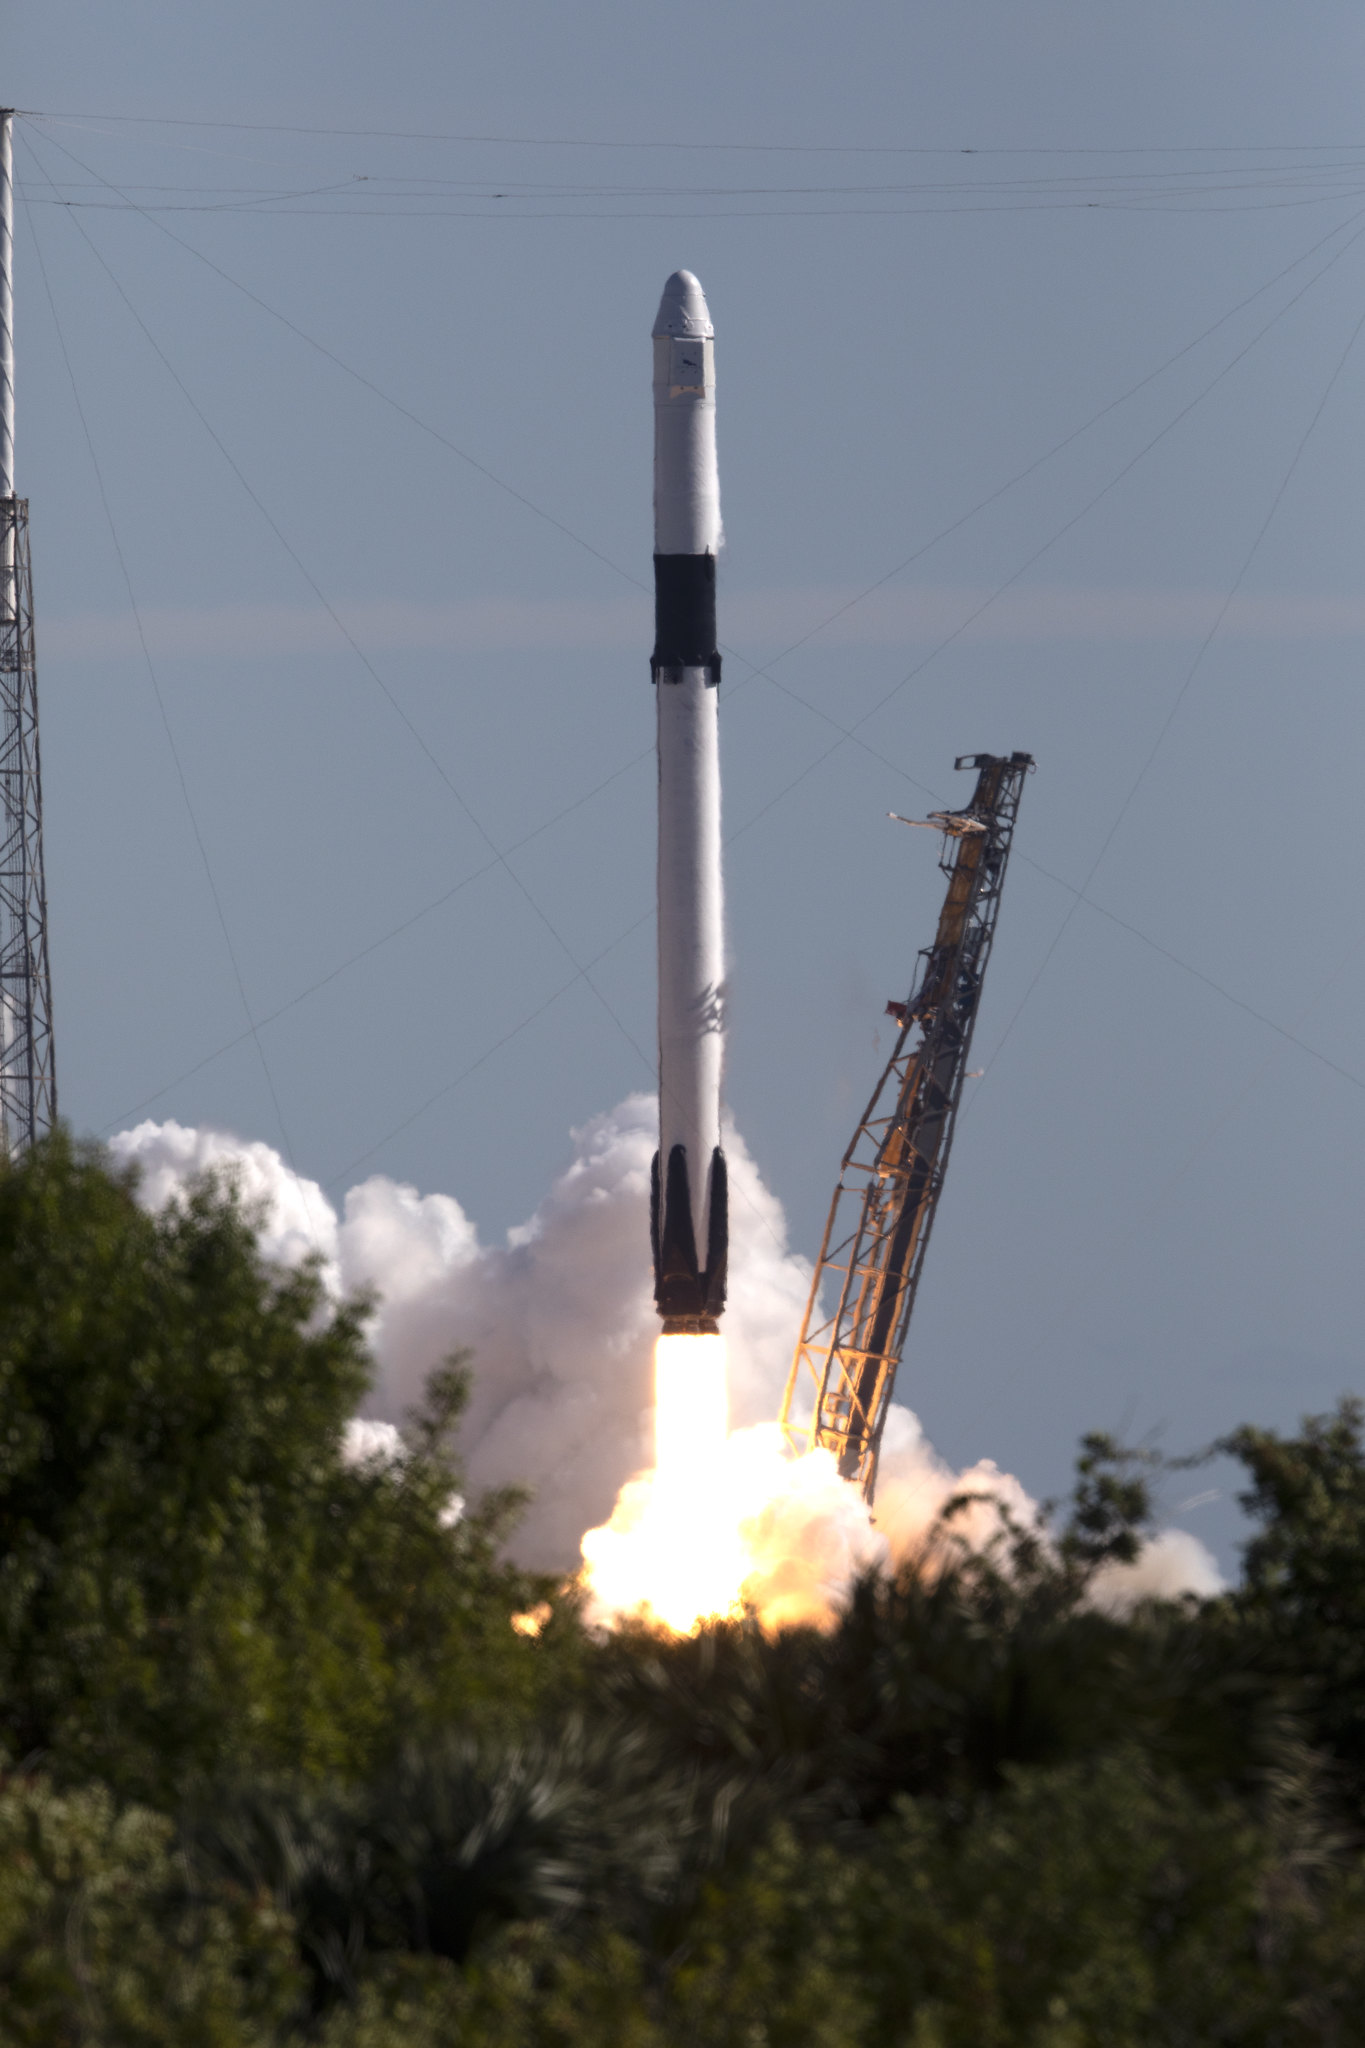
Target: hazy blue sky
(937, 241)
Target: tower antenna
(28, 1082)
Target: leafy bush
(192, 1577)
(100, 1940)
(459, 1837)
(292, 1777)
(1301, 1606)
(1076, 1905)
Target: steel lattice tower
(892, 1174)
(28, 1082)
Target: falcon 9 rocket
(689, 1213)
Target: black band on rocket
(685, 615)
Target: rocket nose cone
(682, 309)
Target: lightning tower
(28, 1082)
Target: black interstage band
(685, 615)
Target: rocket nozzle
(689, 1296)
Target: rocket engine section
(689, 1219)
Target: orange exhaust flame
(723, 1521)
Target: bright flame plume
(724, 1521)
(691, 1406)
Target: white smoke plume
(561, 1324)
(1173, 1563)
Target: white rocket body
(690, 1214)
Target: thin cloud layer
(893, 616)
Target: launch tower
(28, 1083)
(892, 1174)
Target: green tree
(1301, 1603)
(1095, 1905)
(458, 1837)
(193, 1579)
(101, 1943)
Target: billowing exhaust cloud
(560, 1318)
(561, 1324)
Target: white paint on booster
(691, 934)
(686, 479)
(690, 908)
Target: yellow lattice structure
(870, 1262)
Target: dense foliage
(282, 1771)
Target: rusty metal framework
(892, 1174)
(28, 1083)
